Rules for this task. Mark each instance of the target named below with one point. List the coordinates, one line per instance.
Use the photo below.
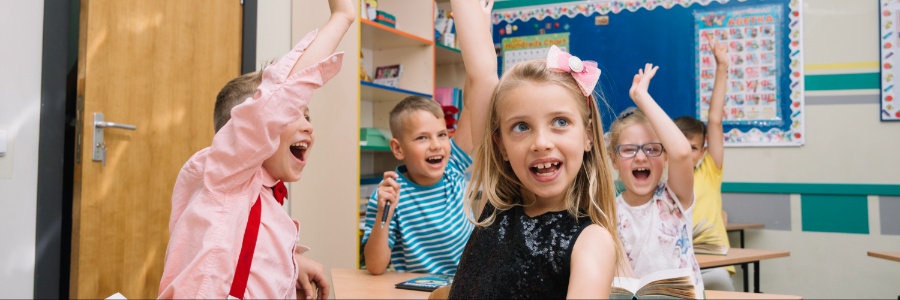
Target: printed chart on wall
(764, 93)
(890, 40)
(523, 48)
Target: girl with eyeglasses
(654, 163)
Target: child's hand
(642, 81)
(388, 190)
(719, 51)
(309, 273)
(486, 7)
(342, 8)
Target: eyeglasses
(631, 150)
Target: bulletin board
(890, 23)
(764, 98)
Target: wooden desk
(740, 229)
(895, 256)
(359, 284)
(742, 257)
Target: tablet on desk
(426, 283)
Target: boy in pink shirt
(219, 190)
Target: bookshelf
(425, 66)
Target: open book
(710, 249)
(426, 283)
(665, 284)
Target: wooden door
(157, 65)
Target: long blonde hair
(592, 192)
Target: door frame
(53, 224)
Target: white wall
(273, 30)
(845, 143)
(21, 30)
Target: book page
(667, 274)
(629, 284)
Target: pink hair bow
(586, 73)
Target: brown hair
(411, 104)
(592, 192)
(691, 127)
(233, 93)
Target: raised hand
(486, 7)
(641, 82)
(720, 51)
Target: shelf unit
(425, 66)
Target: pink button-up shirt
(218, 185)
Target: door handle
(99, 145)
(102, 124)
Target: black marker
(387, 207)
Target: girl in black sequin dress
(546, 227)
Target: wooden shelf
(446, 55)
(376, 92)
(379, 37)
(370, 179)
(375, 148)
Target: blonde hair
(592, 191)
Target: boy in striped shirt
(426, 227)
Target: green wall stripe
(831, 82)
(811, 188)
(835, 213)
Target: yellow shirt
(709, 228)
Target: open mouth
(545, 168)
(299, 150)
(641, 173)
(435, 160)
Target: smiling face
(542, 134)
(640, 174)
(423, 146)
(296, 140)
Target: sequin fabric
(518, 256)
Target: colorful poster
(523, 48)
(752, 37)
(890, 82)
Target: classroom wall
(827, 232)
(325, 200)
(21, 30)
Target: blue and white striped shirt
(429, 229)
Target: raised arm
(715, 136)
(474, 33)
(253, 133)
(678, 149)
(342, 16)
